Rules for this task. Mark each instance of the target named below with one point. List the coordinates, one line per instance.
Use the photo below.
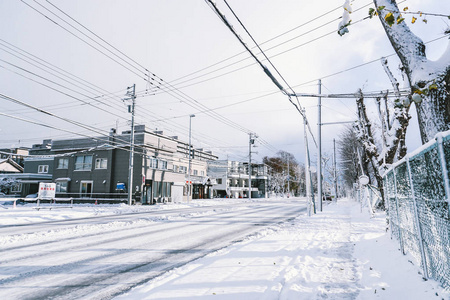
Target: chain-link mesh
(406, 213)
(418, 209)
(389, 191)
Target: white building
(231, 179)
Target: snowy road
(101, 257)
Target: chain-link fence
(417, 192)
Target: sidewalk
(339, 253)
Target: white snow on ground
(340, 253)
(23, 214)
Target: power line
(168, 88)
(73, 34)
(52, 88)
(268, 49)
(38, 60)
(267, 41)
(265, 69)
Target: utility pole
(251, 141)
(190, 159)
(288, 175)
(319, 147)
(131, 96)
(335, 171)
(308, 185)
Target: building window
(219, 180)
(16, 188)
(43, 169)
(101, 163)
(63, 163)
(195, 172)
(61, 186)
(83, 163)
(163, 165)
(176, 168)
(202, 173)
(153, 163)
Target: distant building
(98, 167)
(16, 154)
(15, 181)
(231, 179)
(7, 166)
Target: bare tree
(348, 144)
(284, 167)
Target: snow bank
(26, 213)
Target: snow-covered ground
(340, 253)
(24, 214)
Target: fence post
(439, 139)
(359, 199)
(416, 214)
(387, 198)
(400, 236)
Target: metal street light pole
(190, 159)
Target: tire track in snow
(150, 268)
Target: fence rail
(417, 193)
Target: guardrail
(52, 203)
(6, 199)
(417, 193)
(68, 198)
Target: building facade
(98, 167)
(231, 179)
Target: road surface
(102, 257)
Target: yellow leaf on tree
(390, 19)
(405, 9)
(413, 20)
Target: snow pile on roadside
(26, 213)
(339, 253)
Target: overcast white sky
(175, 38)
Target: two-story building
(98, 167)
(231, 179)
(25, 180)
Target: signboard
(47, 190)
(120, 186)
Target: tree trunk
(365, 136)
(427, 78)
(434, 110)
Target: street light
(190, 159)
